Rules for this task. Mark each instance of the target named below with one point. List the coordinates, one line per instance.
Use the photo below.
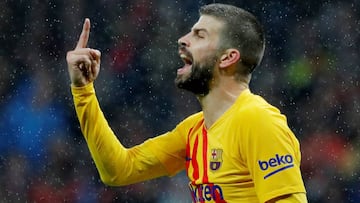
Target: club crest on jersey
(215, 159)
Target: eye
(199, 34)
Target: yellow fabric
(116, 164)
(293, 198)
(248, 155)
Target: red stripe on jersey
(205, 165)
(191, 152)
(187, 158)
(194, 162)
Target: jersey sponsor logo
(215, 159)
(206, 192)
(276, 164)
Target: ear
(230, 57)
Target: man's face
(199, 51)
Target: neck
(220, 98)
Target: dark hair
(241, 31)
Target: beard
(198, 82)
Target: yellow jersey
(248, 155)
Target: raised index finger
(84, 36)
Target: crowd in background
(310, 71)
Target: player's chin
(181, 79)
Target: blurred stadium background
(310, 71)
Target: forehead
(208, 23)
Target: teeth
(186, 59)
(183, 56)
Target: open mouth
(188, 61)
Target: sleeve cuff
(89, 88)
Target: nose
(183, 41)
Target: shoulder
(263, 125)
(259, 121)
(193, 118)
(255, 109)
(190, 121)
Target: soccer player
(239, 148)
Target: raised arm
(116, 164)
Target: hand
(83, 63)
